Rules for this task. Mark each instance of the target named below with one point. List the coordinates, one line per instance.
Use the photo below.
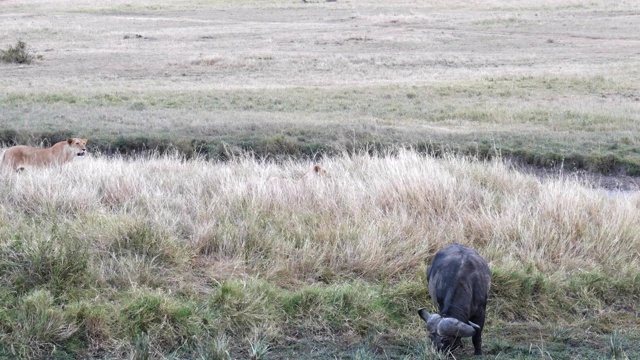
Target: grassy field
(107, 258)
(172, 255)
(552, 83)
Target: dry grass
(150, 257)
(163, 237)
(408, 201)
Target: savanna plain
(195, 229)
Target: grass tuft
(49, 260)
(40, 328)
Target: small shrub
(20, 53)
(8, 137)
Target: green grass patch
(50, 260)
(517, 117)
(364, 321)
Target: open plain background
(548, 83)
(202, 251)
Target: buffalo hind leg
(477, 342)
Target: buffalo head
(445, 333)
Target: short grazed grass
(105, 258)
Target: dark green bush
(20, 53)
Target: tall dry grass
(162, 230)
(375, 217)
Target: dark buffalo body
(459, 280)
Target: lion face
(319, 170)
(79, 146)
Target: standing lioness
(21, 156)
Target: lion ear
(85, 140)
(70, 141)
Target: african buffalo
(459, 280)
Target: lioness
(21, 156)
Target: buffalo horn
(423, 314)
(455, 328)
(432, 320)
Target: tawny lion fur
(315, 171)
(21, 156)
